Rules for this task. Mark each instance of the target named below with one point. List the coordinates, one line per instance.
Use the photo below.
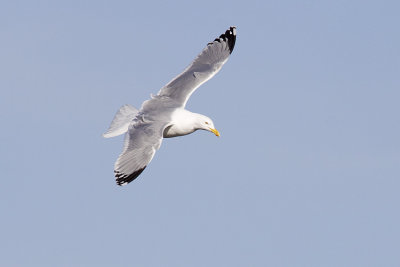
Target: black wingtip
(123, 179)
(229, 36)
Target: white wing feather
(203, 68)
(141, 142)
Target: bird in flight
(164, 115)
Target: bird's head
(205, 123)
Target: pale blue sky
(306, 171)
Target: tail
(121, 121)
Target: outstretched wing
(141, 142)
(203, 68)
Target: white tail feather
(121, 121)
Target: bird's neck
(183, 122)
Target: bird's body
(164, 115)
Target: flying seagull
(164, 115)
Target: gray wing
(141, 142)
(203, 68)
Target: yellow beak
(215, 131)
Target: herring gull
(164, 115)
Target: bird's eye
(206, 123)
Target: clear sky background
(306, 171)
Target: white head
(205, 123)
